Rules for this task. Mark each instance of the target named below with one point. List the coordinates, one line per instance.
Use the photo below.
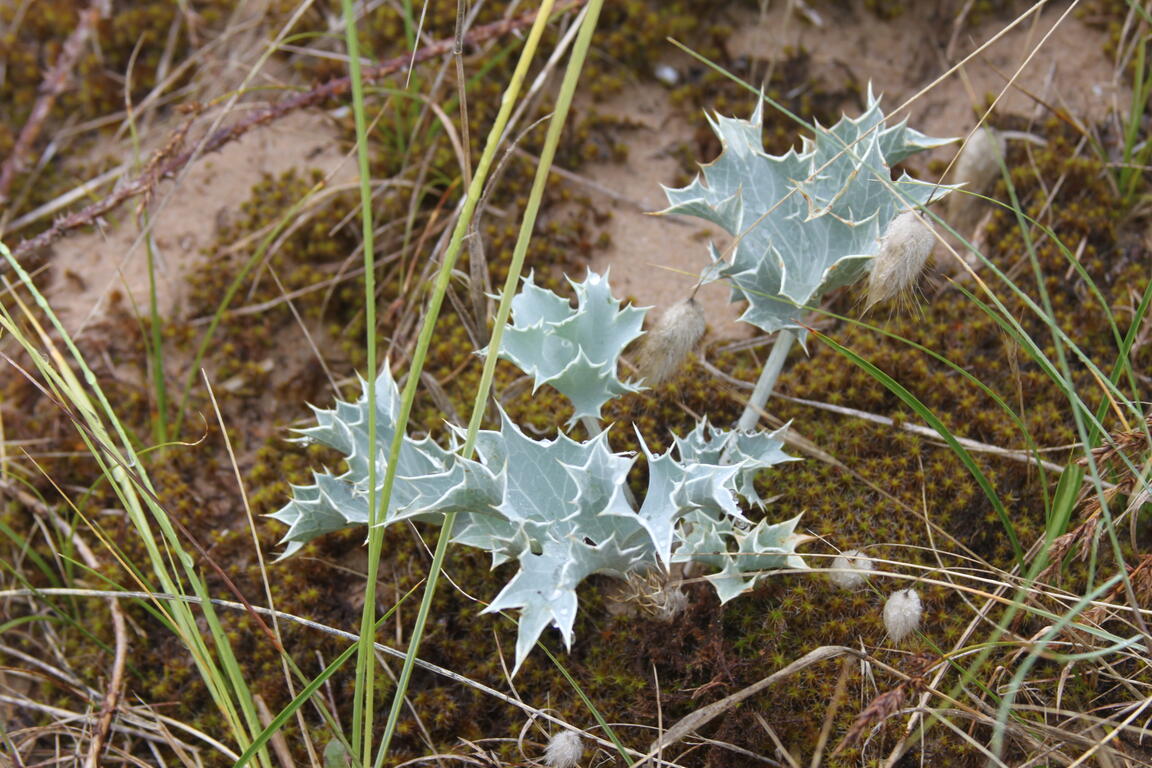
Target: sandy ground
(189, 214)
(654, 259)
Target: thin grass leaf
(933, 421)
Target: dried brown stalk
(706, 714)
(888, 703)
(110, 703)
(1130, 444)
(55, 81)
(163, 167)
(878, 710)
(1140, 576)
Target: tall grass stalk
(156, 346)
(112, 448)
(587, 22)
(362, 697)
(377, 502)
(1136, 153)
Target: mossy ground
(888, 489)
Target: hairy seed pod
(668, 345)
(564, 750)
(979, 160)
(670, 603)
(904, 248)
(976, 167)
(850, 569)
(902, 613)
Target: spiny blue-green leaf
(557, 507)
(566, 500)
(573, 350)
(806, 222)
(749, 453)
(544, 589)
(426, 473)
(663, 505)
(741, 554)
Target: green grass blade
(931, 420)
(608, 730)
(443, 277)
(156, 346)
(309, 689)
(97, 422)
(362, 701)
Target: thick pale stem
(767, 381)
(591, 426)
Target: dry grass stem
(55, 81)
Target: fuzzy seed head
(904, 248)
(666, 346)
(850, 569)
(902, 613)
(976, 167)
(979, 160)
(672, 601)
(564, 750)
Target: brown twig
(888, 703)
(112, 693)
(317, 95)
(55, 81)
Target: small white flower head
(902, 613)
(667, 74)
(564, 750)
(904, 248)
(977, 167)
(667, 345)
(850, 569)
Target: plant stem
(424, 341)
(591, 426)
(767, 381)
(363, 699)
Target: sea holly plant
(559, 507)
(573, 349)
(805, 222)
